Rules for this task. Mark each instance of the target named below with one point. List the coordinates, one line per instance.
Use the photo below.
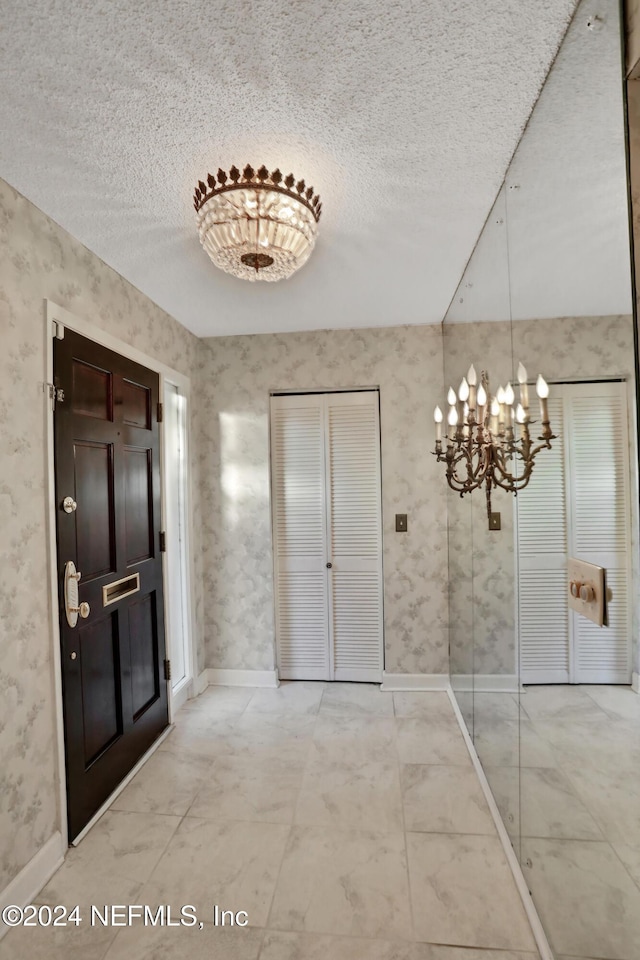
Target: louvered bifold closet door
(599, 524)
(355, 535)
(300, 541)
(543, 615)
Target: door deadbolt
(69, 505)
(329, 565)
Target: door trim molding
(400, 682)
(24, 888)
(54, 314)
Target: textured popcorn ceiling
(557, 241)
(404, 115)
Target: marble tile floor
(566, 777)
(348, 823)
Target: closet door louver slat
(600, 525)
(355, 523)
(298, 491)
(543, 618)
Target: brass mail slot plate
(119, 589)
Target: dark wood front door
(107, 463)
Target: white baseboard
(24, 888)
(635, 681)
(530, 909)
(414, 681)
(201, 683)
(242, 678)
(486, 682)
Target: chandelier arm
(452, 460)
(512, 484)
(463, 486)
(544, 445)
(484, 462)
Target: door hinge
(55, 394)
(160, 411)
(163, 542)
(167, 669)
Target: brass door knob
(587, 593)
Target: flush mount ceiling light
(257, 225)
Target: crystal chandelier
(488, 440)
(257, 225)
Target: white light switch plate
(589, 575)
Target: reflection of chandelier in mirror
(257, 225)
(487, 439)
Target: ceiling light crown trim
(261, 179)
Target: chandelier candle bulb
(501, 401)
(524, 387)
(472, 380)
(452, 420)
(542, 389)
(495, 412)
(482, 402)
(509, 395)
(463, 391)
(437, 416)
(520, 414)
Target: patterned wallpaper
(236, 375)
(576, 348)
(232, 377)
(39, 260)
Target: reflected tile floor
(577, 793)
(347, 822)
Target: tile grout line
(404, 821)
(291, 827)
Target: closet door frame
(327, 532)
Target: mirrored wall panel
(542, 604)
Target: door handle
(72, 607)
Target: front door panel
(107, 455)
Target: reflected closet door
(577, 505)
